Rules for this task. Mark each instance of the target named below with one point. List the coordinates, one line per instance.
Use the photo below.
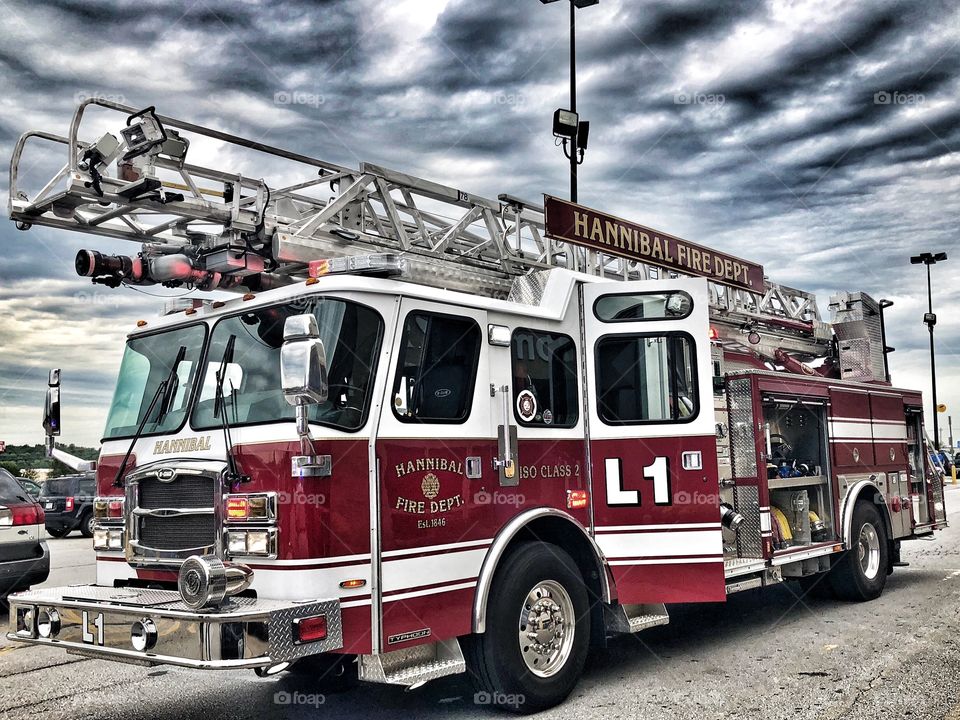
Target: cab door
(435, 448)
(652, 444)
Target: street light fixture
(566, 122)
(930, 319)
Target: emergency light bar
(379, 264)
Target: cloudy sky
(819, 138)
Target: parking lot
(764, 654)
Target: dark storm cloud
(818, 137)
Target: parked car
(31, 486)
(68, 504)
(24, 557)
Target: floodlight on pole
(930, 319)
(572, 131)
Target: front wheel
(537, 632)
(861, 573)
(58, 532)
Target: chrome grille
(187, 491)
(170, 520)
(178, 532)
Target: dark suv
(68, 504)
(24, 558)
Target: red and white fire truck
(431, 433)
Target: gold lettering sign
(589, 228)
(181, 445)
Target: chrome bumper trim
(244, 633)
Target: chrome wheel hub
(868, 551)
(547, 627)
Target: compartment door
(653, 454)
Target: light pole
(566, 123)
(930, 319)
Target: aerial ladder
(215, 211)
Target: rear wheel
(537, 636)
(58, 532)
(861, 572)
(86, 525)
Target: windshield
(147, 361)
(351, 336)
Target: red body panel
(647, 565)
(427, 502)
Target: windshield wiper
(220, 410)
(162, 391)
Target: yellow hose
(778, 516)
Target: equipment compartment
(797, 472)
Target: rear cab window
(647, 378)
(545, 379)
(436, 370)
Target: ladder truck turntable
(430, 433)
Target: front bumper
(243, 633)
(16, 574)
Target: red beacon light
(714, 334)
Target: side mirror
(51, 408)
(303, 362)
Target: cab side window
(87, 487)
(544, 367)
(646, 379)
(437, 368)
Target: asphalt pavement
(763, 654)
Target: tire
(86, 525)
(535, 576)
(861, 572)
(58, 532)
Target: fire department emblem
(526, 406)
(430, 486)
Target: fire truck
(413, 432)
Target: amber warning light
(237, 508)
(577, 499)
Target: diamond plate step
(641, 617)
(414, 666)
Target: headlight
(107, 538)
(258, 542)
(237, 542)
(101, 539)
(261, 542)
